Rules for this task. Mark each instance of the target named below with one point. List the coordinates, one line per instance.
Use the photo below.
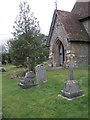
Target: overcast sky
(43, 11)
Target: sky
(43, 11)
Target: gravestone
(71, 87)
(27, 81)
(40, 74)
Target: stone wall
(86, 25)
(81, 52)
(80, 48)
(58, 34)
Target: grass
(43, 101)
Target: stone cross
(71, 87)
(70, 71)
(28, 64)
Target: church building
(70, 31)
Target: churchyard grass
(43, 101)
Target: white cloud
(83, 0)
(43, 10)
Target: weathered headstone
(71, 87)
(40, 74)
(27, 81)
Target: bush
(6, 58)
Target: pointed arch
(58, 53)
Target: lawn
(43, 101)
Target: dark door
(61, 52)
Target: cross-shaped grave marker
(28, 64)
(71, 86)
(27, 81)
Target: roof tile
(72, 26)
(82, 9)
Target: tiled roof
(71, 22)
(74, 29)
(82, 9)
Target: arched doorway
(60, 52)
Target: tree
(4, 54)
(6, 58)
(26, 41)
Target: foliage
(6, 58)
(4, 55)
(43, 101)
(26, 42)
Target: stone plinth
(71, 86)
(27, 81)
(71, 89)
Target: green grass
(43, 101)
